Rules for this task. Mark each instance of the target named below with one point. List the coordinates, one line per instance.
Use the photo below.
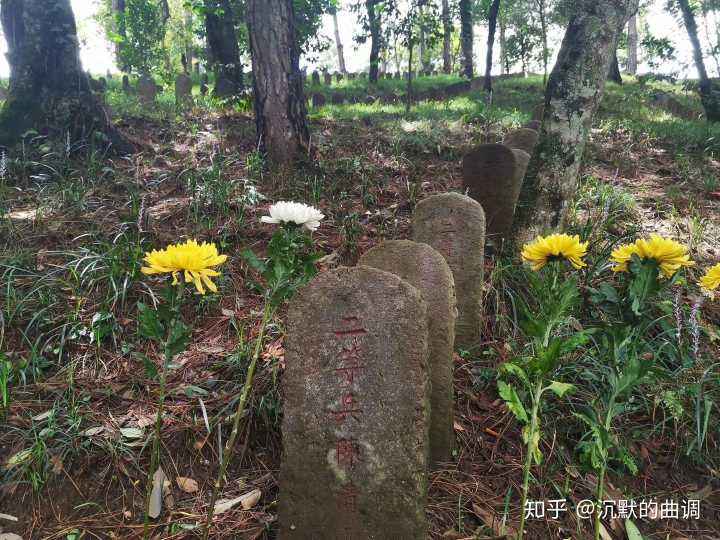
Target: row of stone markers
(369, 353)
(369, 379)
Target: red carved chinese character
(351, 327)
(347, 452)
(351, 362)
(348, 499)
(349, 408)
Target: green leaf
(253, 261)
(151, 370)
(149, 324)
(512, 400)
(560, 388)
(177, 340)
(633, 533)
(513, 369)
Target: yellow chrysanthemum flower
(711, 280)
(668, 254)
(543, 249)
(193, 259)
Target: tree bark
(338, 43)
(632, 46)
(447, 36)
(280, 111)
(375, 38)
(709, 93)
(118, 8)
(543, 30)
(223, 47)
(49, 91)
(492, 24)
(614, 75)
(466, 37)
(503, 51)
(573, 93)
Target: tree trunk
(466, 37)
(118, 8)
(280, 112)
(503, 51)
(49, 91)
(338, 43)
(632, 46)
(492, 23)
(223, 47)
(374, 23)
(614, 74)
(573, 93)
(543, 30)
(447, 36)
(709, 93)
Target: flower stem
(239, 413)
(603, 468)
(530, 452)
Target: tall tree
(447, 36)
(280, 113)
(466, 37)
(632, 37)
(118, 24)
(338, 42)
(48, 88)
(492, 23)
(374, 25)
(223, 48)
(573, 93)
(709, 92)
(541, 6)
(503, 47)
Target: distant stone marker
(534, 124)
(454, 225)
(356, 409)
(338, 76)
(337, 98)
(315, 77)
(317, 100)
(183, 90)
(147, 89)
(126, 84)
(426, 270)
(538, 112)
(327, 78)
(524, 138)
(204, 84)
(489, 176)
(522, 160)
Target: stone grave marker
(147, 89)
(315, 77)
(356, 409)
(183, 90)
(426, 270)
(317, 100)
(534, 124)
(338, 76)
(538, 112)
(126, 84)
(489, 176)
(523, 138)
(337, 98)
(327, 78)
(522, 160)
(454, 225)
(204, 84)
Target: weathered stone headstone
(426, 270)
(102, 81)
(489, 174)
(356, 409)
(147, 89)
(315, 77)
(538, 112)
(327, 78)
(454, 225)
(338, 76)
(337, 98)
(522, 160)
(183, 90)
(369, 100)
(534, 124)
(397, 75)
(126, 84)
(318, 100)
(523, 138)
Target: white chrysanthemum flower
(292, 212)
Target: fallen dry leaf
(156, 496)
(188, 485)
